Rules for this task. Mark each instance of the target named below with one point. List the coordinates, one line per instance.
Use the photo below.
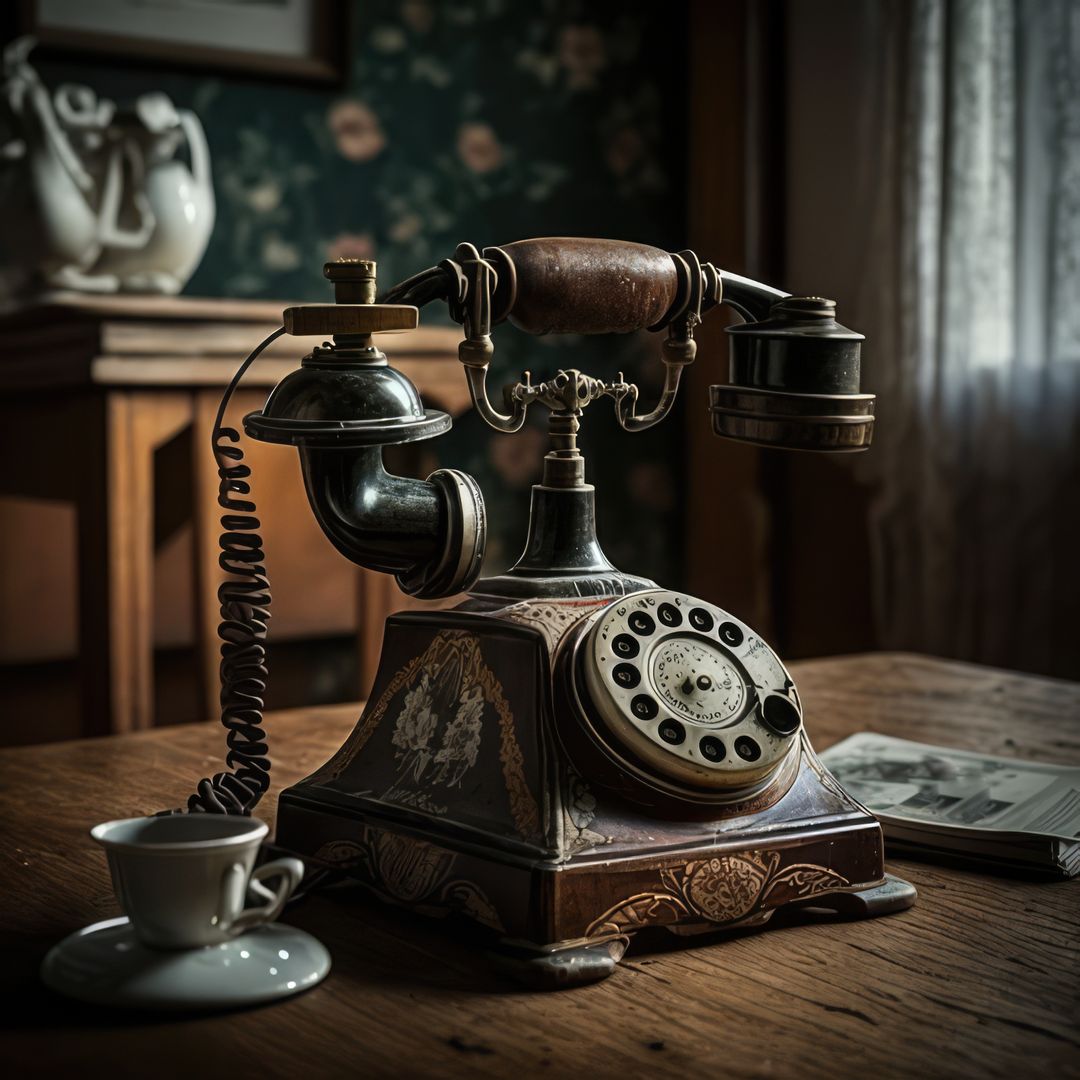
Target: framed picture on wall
(301, 39)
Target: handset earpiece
(794, 374)
(340, 409)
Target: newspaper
(990, 808)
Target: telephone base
(454, 794)
(508, 899)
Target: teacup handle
(290, 872)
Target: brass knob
(353, 279)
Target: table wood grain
(981, 978)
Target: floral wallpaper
(480, 120)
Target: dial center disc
(696, 680)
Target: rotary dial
(689, 691)
(694, 678)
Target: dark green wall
(480, 120)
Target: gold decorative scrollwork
(344, 854)
(635, 912)
(523, 806)
(802, 881)
(410, 872)
(466, 897)
(722, 889)
(366, 726)
(456, 652)
(726, 887)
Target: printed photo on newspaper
(991, 808)
(955, 788)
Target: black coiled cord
(245, 599)
(442, 282)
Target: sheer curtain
(975, 531)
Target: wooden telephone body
(509, 833)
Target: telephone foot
(893, 894)
(559, 968)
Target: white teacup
(182, 879)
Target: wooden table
(981, 978)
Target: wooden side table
(92, 388)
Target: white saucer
(107, 965)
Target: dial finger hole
(669, 615)
(671, 731)
(747, 748)
(712, 749)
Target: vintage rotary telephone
(572, 754)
